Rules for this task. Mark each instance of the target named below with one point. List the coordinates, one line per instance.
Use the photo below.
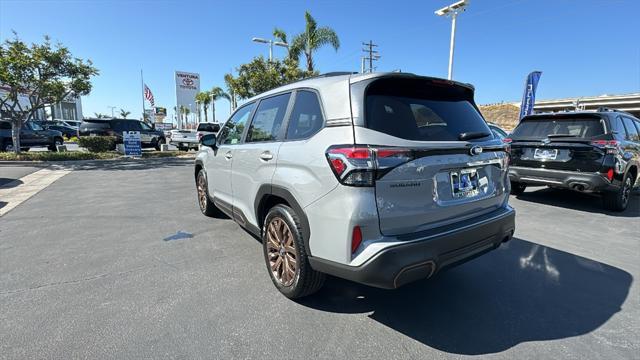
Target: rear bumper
(587, 181)
(421, 258)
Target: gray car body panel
(332, 209)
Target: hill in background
(504, 115)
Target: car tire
(282, 242)
(56, 141)
(207, 206)
(6, 145)
(517, 188)
(160, 142)
(619, 199)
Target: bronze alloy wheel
(281, 252)
(202, 192)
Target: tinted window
(35, 126)
(231, 132)
(4, 125)
(616, 126)
(144, 126)
(100, 124)
(208, 127)
(416, 109)
(132, 125)
(268, 119)
(306, 118)
(631, 129)
(541, 127)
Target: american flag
(149, 95)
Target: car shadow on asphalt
(8, 183)
(579, 201)
(3, 204)
(519, 293)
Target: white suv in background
(379, 178)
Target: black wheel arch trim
(268, 189)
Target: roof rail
(329, 74)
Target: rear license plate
(464, 183)
(545, 154)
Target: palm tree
(204, 98)
(311, 40)
(217, 93)
(233, 102)
(124, 113)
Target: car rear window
(208, 127)
(422, 110)
(542, 127)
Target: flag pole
(142, 85)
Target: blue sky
(583, 48)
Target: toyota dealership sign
(187, 86)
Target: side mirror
(208, 140)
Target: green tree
(217, 93)
(124, 113)
(39, 74)
(233, 99)
(261, 75)
(312, 39)
(204, 98)
(100, 116)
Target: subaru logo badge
(476, 150)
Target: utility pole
(373, 55)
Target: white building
(68, 109)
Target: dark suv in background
(149, 136)
(596, 152)
(31, 135)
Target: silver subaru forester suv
(381, 178)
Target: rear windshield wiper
(472, 135)
(561, 135)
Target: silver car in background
(382, 179)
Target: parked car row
(149, 137)
(31, 135)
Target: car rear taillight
(609, 174)
(507, 140)
(199, 135)
(358, 165)
(356, 239)
(611, 146)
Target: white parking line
(30, 185)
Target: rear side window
(5, 125)
(306, 117)
(632, 132)
(231, 132)
(617, 127)
(541, 127)
(96, 124)
(268, 119)
(422, 110)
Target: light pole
(213, 107)
(452, 10)
(271, 43)
(111, 107)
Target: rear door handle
(266, 156)
(228, 155)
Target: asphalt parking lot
(116, 261)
